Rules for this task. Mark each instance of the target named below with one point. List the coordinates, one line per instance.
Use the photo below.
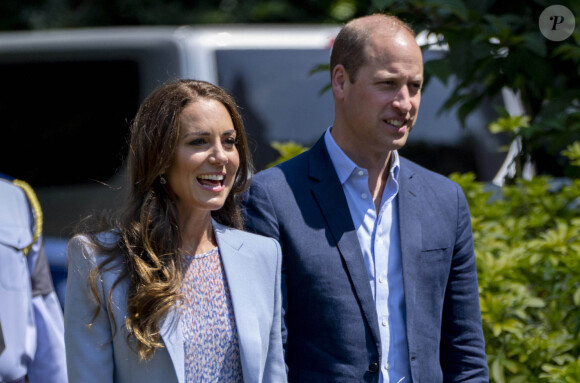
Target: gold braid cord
(37, 212)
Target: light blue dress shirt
(379, 239)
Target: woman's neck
(197, 235)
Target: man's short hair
(349, 46)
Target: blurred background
(501, 101)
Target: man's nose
(402, 100)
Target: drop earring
(162, 180)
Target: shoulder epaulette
(31, 195)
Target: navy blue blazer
(331, 332)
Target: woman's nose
(218, 155)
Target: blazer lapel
(409, 213)
(239, 271)
(334, 207)
(172, 336)
(241, 294)
(411, 240)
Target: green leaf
(497, 371)
(319, 68)
(439, 68)
(512, 124)
(343, 9)
(382, 4)
(535, 302)
(467, 107)
(325, 89)
(287, 150)
(535, 42)
(519, 379)
(499, 24)
(577, 297)
(456, 7)
(568, 52)
(511, 366)
(572, 151)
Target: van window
(65, 123)
(280, 101)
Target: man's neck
(378, 176)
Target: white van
(68, 97)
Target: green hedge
(527, 244)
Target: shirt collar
(344, 166)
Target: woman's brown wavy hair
(149, 233)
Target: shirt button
(386, 366)
(363, 196)
(381, 279)
(361, 173)
(385, 323)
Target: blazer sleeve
(49, 363)
(463, 357)
(260, 217)
(89, 350)
(275, 369)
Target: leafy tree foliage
(527, 245)
(42, 14)
(496, 44)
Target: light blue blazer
(252, 265)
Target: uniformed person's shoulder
(21, 204)
(7, 186)
(16, 187)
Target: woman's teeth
(211, 177)
(212, 181)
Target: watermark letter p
(556, 20)
(557, 23)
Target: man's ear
(338, 81)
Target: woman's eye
(231, 141)
(197, 142)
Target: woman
(171, 292)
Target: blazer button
(374, 367)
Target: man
(379, 267)
(31, 320)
